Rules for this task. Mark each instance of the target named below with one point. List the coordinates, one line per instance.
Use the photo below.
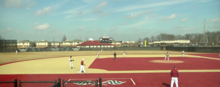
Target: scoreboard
(105, 39)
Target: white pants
(174, 79)
(71, 64)
(97, 56)
(16, 52)
(183, 55)
(167, 58)
(124, 55)
(82, 68)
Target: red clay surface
(141, 79)
(144, 64)
(207, 55)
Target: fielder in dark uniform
(115, 55)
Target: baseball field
(136, 69)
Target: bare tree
(1, 38)
(64, 38)
(139, 40)
(152, 38)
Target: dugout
(8, 45)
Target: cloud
(105, 14)
(45, 10)
(80, 12)
(89, 19)
(215, 20)
(138, 14)
(113, 28)
(153, 15)
(188, 29)
(19, 3)
(165, 3)
(82, 27)
(70, 16)
(42, 27)
(144, 21)
(101, 5)
(171, 17)
(9, 29)
(124, 24)
(98, 8)
(184, 19)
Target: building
(25, 44)
(170, 42)
(95, 44)
(43, 44)
(55, 43)
(66, 43)
(76, 42)
(117, 43)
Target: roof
(42, 41)
(55, 42)
(92, 43)
(24, 41)
(77, 40)
(67, 41)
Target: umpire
(115, 55)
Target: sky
(122, 20)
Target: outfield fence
(65, 83)
(8, 83)
(195, 49)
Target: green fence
(120, 48)
(196, 49)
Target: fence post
(100, 82)
(15, 83)
(59, 80)
(63, 83)
(19, 83)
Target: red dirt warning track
(141, 79)
(144, 64)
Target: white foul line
(132, 81)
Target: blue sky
(128, 19)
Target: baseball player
(183, 53)
(82, 66)
(115, 56)
(97, 54)
(16, 51)
(174, 76)
(124, 53)
(71, 64)
(167, 56)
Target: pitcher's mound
(166, 61)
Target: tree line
(208, 37)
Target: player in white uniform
(124, 53)
(183, 53)
(82, 66)
(167, 56)
(16, 51)
(71, 64)
(97, 54)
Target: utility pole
(217, 38)
(204, 27)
